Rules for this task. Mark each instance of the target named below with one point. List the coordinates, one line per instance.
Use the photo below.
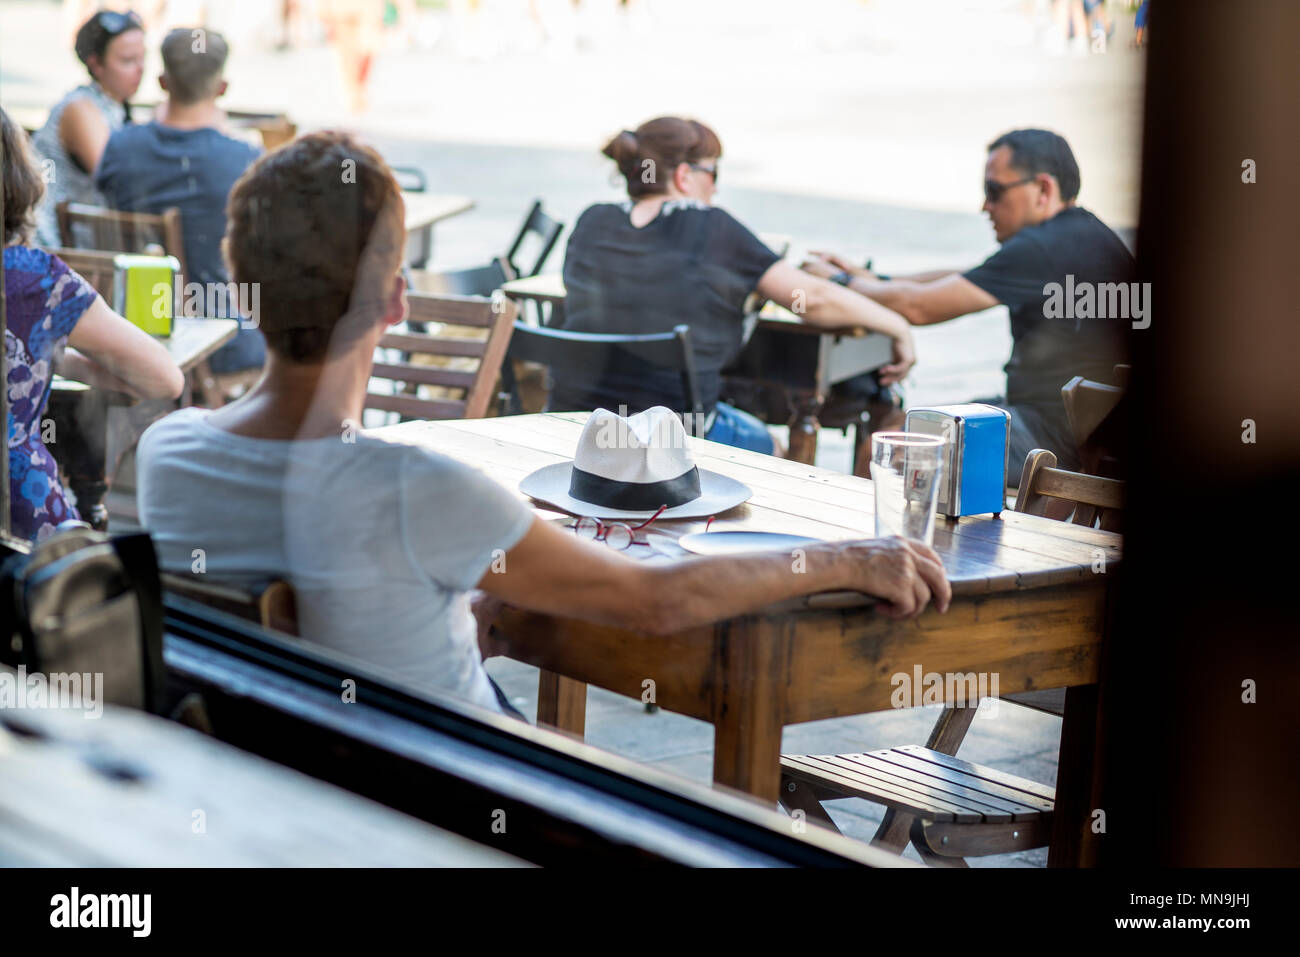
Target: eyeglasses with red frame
(617, 535)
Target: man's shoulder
(181, 424)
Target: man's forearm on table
(702, 591)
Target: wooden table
(1027, 605)
(93, 428)
(423, 212)
(782, 353)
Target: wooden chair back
(439, 360)
(93, 227)
(1093, 496)
(93, 265)
(547, 231)
(275, 606)
(560, 349)
(1088, 405)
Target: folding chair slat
(416, 408)
(882, 786)
(843, 786)
(434, 345)
(451, 310)
(974, 787)
(990, 806)
(423, 375)
(1032, 788)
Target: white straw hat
(628, 467)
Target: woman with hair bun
(667, 256)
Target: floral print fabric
(44, 300)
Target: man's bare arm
(925, 303)
(555, 572)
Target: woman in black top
(667, 256)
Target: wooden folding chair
(438, 375)
(948, 808)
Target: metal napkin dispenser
(144, 290)
(974, 478)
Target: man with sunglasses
(1031, 184)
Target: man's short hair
(193, 60)
(319, 224)
(1042, 151)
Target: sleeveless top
(44, 300)
(68, 180)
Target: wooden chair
(1096, 500)
(275, 606)
(948, 808)
(428, 361)
(560, 349)
(94, 227)
(94, 266)
(1089, 407)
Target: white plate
(736, 543)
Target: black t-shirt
(691, 264)
(1048, 352)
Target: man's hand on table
(905, 574)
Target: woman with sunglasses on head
(111, 45)
(667, 256)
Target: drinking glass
(906, 470)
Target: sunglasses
(113, 23)
(711, 170)
(993, 190)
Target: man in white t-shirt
(383, 542)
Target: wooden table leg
(748, 706)
(803, 430)
(1073, 842)
(562, 703)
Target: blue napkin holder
(974, 479)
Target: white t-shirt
(381, 541)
